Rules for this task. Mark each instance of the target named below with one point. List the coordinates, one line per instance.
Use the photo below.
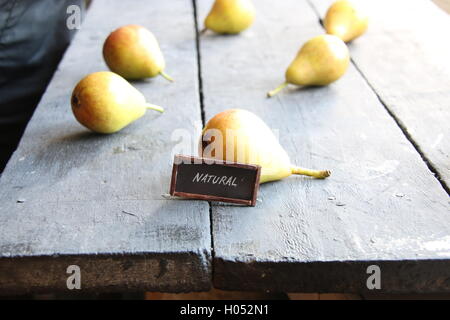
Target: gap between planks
(391, 114)
(203, 117)
(397, 120)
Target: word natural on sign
(213, 180)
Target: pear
(321, 61)
(104, 102)
(238, 135)
(133, 52)
(345, 20)
(230, 16)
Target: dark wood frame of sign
(240, 186)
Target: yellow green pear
(104, 102)
(345, 20)
(230, 16)
(133, 52)
(238, 135)
(321, 61)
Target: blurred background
(33, 38)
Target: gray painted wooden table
(71, 197)
(96, 201)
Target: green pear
(133, 52)
(230, 16)
(345, 20)
(321, 61)
(240, 136)
(104, 102)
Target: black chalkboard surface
(213, 180)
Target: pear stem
(165, 75)
(319, 174)
(277, 89)
(154, 107)
(203, 31)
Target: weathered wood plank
(96, 200)
(380, 206)
(404, 56)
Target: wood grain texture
(404, 57)
(69, 195)
(380, 206)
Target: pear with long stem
(238, 135)
(320, 61)
(104, 102)
(133, 52)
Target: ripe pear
(230, 16)
(104, 102)
(321, 61)
(133, 52)
(240, 136)
(345, 20)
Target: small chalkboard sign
(214, 180)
